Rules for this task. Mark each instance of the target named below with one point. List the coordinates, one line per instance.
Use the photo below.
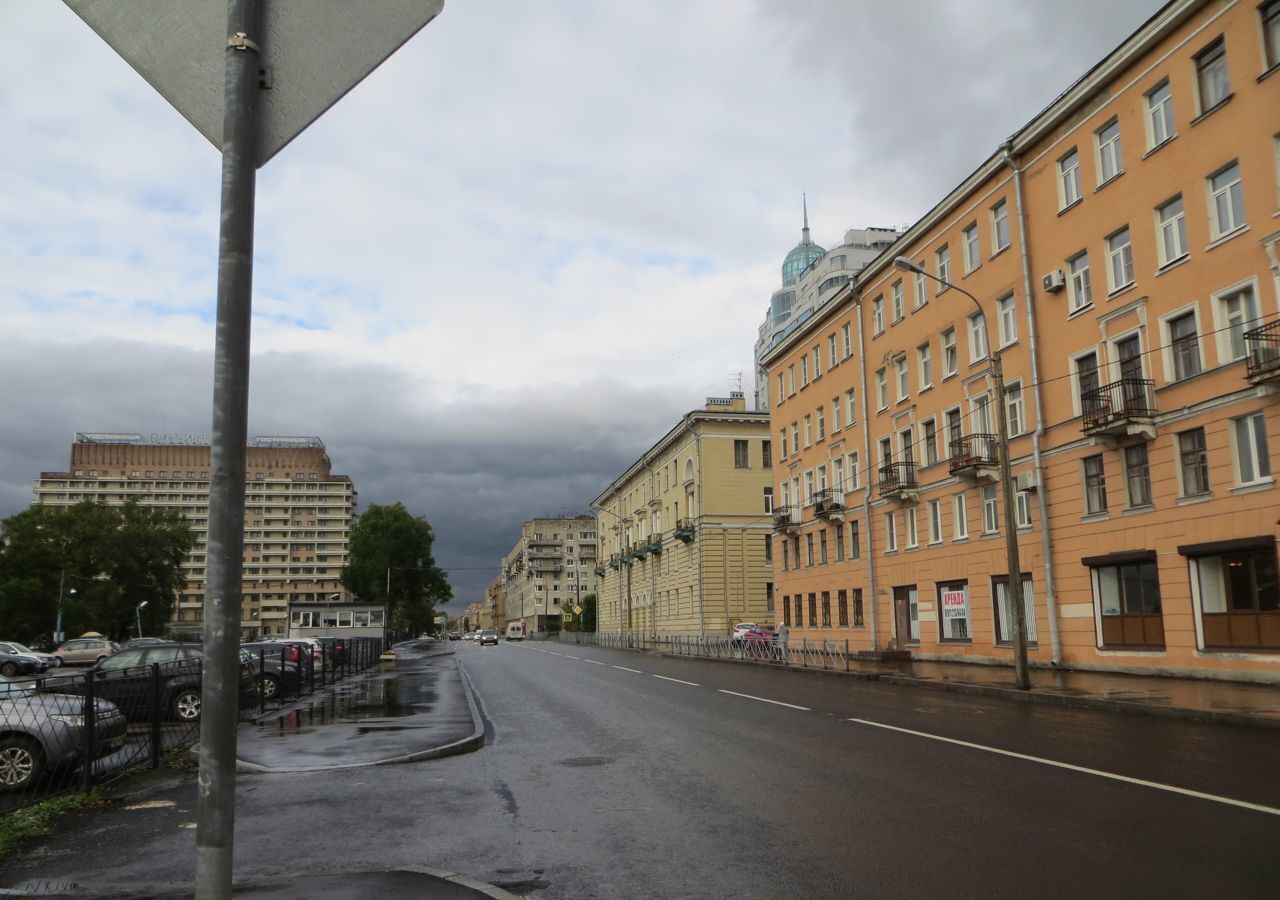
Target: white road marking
(625, 669)
(573, 657)
(678, 681)
(1186, 792)
(595, 662)
(554, 653)
(765, 700)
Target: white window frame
(1159, 115)
(808, 430)
(899, 300)
(832, 361)
(1069, 192)
(990, 509)
(950, 353)
(1015, 407)
(877, 315)
(960, 519)
(922, 293)
(942, 260)
(882, 390)
(1022, 508)
(912, 532)
(804, 370)
(890, 532)
(935, 521)
(1250, 451)
(1080, 283)
(979, 341)
(1216, 50)
(1007, 319)
(851, 406)
(901, 378)
(1109, 153)
(972, 250)
(1231, 328)
(999, 227)
(817, 363)
(1168, 352)
(1119, 260)
(835, 414)
(846, 333)
(821, 416)
(855, 474)
(1171, 229)
(929, 451)
(1230, 190)
(924, 365)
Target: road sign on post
(250, 76)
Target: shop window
(1126, 591)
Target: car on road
(12, 664)
(515, 631)
(42, 733)
(488, 637)
(50, 661)
(127, 680)
(84, 650)
(454, 636)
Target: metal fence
(805, 653)
(69, 729)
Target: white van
(515, 631)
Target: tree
(587, 620)
(102, 560)
(391, 562)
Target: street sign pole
(220, 691)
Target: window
(766, 454)
(740, 460)
(826, 609)
(990, 510)
(808, 431)
(791, 380)
(899, 302)
(950, 359)
(1184, 345)
(855, 540)
(877, 315)
(786, 556)
(1119, 260)
(768, 500)
(1004, 612)
(890, 532)
(808, 542)
(1095, 486)
(1270, 13)
(782, 439)
(804, 370)
(846, 340)
(953, 606)
(799, 611)
(822, 547)
(912, 539)
(1110, 160)
(1086, 367)
(831, 351)
(850, 406)
(813, 611)
(1081, 290)
(835, 414)
(1239, 597)
(925, 365)
(1226, 202)
(781, 392)
(999, 227)
(1159, 115)
(1128, 597)
(1137, 474)
(882, 389)
(1253, 460)
(922, 296)
(954, 424)
(1007, 320)
(1172, 223)
(1069, 180)
(977, 337)
(930, 441)
(935, 521)
(943, 258)
(972, 255)
(960, 522)
(1015, 409)
(817, 363)
(822, 424)
(842, 608)
(1238, 311)
(1022, 508)
(839, 536)
(1212, 84)
(901, 377)
(1193, 462)
(853, 471)
(795, 438)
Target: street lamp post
(137, 611)
(1016, 609)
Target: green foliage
(103, 559)
(388, 539)
(38, 819)
(586, 620)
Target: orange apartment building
(1124, 250)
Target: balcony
(786, 519)
(640, 550)
(898, 482)
(615, 562)
(1262, 350)
(599, 570)
(1124, 408)
(685, 530)
(655, 544)
(828, 503)
(975, 458)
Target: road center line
(554, 653)
(595, 662)
(1186, 792)
(678, 681)
(765, 700)
(572, 657)
(625, 669)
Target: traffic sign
(578, 610)
(313, 53)
(568, 616)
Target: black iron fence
(897, 477)
(69, 729)
(1263, 350)
(1120, 401)
(973, 451)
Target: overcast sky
(509, 260)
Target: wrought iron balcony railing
(1262, 349)
(898, 478)
(972, 452)
(1114, 406)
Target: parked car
(143, 641)
(126, 678)
(276, 670)
(334, 648)
(42, 733)
(758, 640)
(50, 661)
(453, 636)
(488, 637)
(12, 664)
(86, 650)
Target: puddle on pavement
(369, 702)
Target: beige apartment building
(685, 530)
(1122, 251)
(298, 518)
(550, 568)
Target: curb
(175, 890)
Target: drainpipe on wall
(866, 491)
(1046, 541)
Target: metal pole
(1014, 589)
(57, 627)
(215, 806)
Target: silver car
(87, 650)
(47, 660)
(43, 733)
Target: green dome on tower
(803, 255)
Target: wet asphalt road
(616, 775)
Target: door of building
(905, 615)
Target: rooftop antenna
(804, 232)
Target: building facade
(298, 518)
(685, 530)
(1122, 254)
(550, 568)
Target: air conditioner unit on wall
(1054, 281)
(1026, 481)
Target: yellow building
(550, 568)
(1122, 251)
(685, 530)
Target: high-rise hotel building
(298, 514)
